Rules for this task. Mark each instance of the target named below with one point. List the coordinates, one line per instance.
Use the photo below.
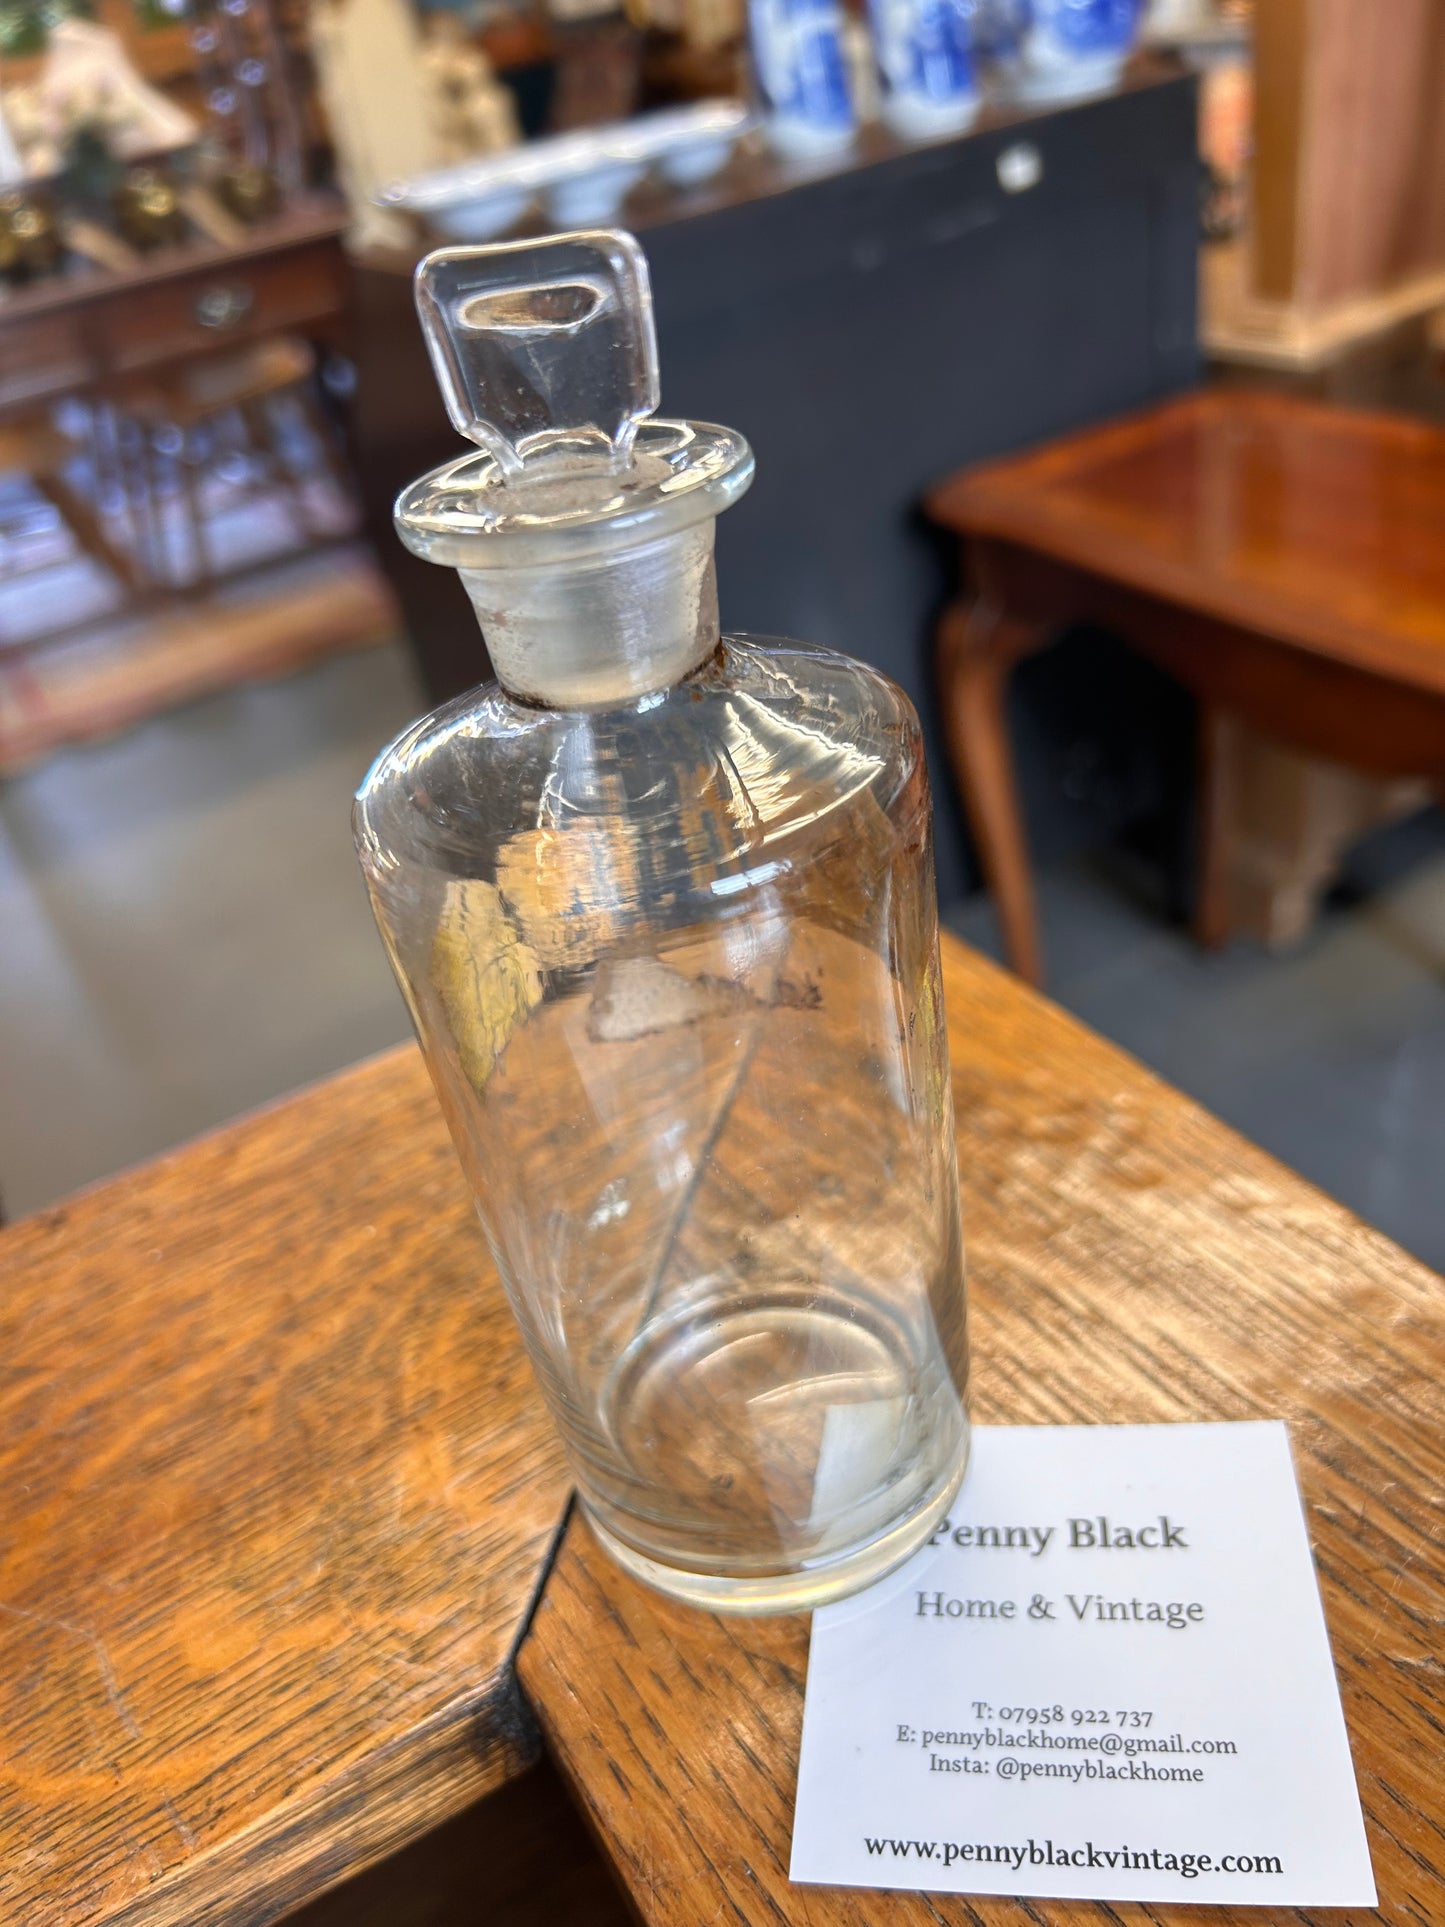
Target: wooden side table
(281, 1496)
(1284, 560)
(101, 335)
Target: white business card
(1106, 1677)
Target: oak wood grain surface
(1133, 1260)
(1319, 527)
(278, 1491)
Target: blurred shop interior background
(212, 387)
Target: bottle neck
(605, 629)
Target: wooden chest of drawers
(80, 332)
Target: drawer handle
(224, 307)
(1020, 167)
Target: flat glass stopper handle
(542, 342)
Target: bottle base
(817, 1584)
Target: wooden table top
(1132, 1260)
(278, 1492)
(1321, 527)
(281, 1491)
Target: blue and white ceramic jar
(925, 60)
(1058, 49)
(802, 74)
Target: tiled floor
(1331, 1056)
(183, 934)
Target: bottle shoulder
(765, 742)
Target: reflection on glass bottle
(662, 906)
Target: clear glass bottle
(662, 906)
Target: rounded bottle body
(674, 967)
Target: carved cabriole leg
(978, 643)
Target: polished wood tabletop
(281, 1493)
(1132, 1261)
(1323, 527)
(278, 1490)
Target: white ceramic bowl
(585, 199)
(690, 166)
(485, 218)
(585, 175)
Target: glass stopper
(543, 342)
